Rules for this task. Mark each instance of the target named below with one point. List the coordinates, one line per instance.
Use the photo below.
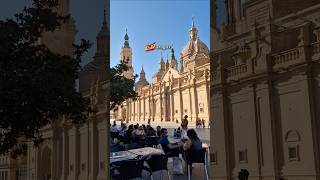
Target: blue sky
(164, 22)
(161, 21)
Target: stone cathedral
(71, 152)
(174, 91)
(265, 90)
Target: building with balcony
(265, 89)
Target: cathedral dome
(194, 45)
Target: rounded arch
(292, 136)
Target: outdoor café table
(146, 151)
(121, 156)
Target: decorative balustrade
(236, 70)
(316, 50)
(289, 57)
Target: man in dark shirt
(172, 150)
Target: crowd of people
(136, 136)
(200, 123)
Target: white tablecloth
(121, 156)
(133, 153)
(146, 151)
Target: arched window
(292, 140)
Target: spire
(172, 54)
(193, 26)
(126, 40)
(142, 74)
(162, 64)
(142, 80)
(142, 70)
(103, 35)
(193, 31)
(173, 61)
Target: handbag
(177, 166)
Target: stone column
(165, 106)
(102, 151)
(172, 103)
(144, 107)
(127, 111)
(65, 154)
(73, 153)
(149, 107)
(139, 109)
(195, 100)
(207, 93)
(152, 104)
(93, 148)
(54, 157)
(181, 102)
(161, 102)
(190, 103)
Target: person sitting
(122, 132)
(144, 128)
(171, 150)
(114, 131)
(140, 132)
(139, 136)
(158, 131)
(193, 141)
(114, 127)
(174, 133)
(178, 134)
(117, 146)
(151, 132)
(128, 134)
(133, 133)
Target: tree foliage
(122, 88)
(37, 86)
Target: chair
(128, 169)
(196, 156)
(114, 135)
(132, 146)
(158, 163)
(152, 141)
(170, 152)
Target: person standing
(193, 141)
(184, 126)
(203, 123)
(184, 123)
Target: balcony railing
(316, 51)
(236, 71)
(289, 57)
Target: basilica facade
(265, 89)
(175, 90)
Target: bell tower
(126, 57)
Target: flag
(150, 47)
